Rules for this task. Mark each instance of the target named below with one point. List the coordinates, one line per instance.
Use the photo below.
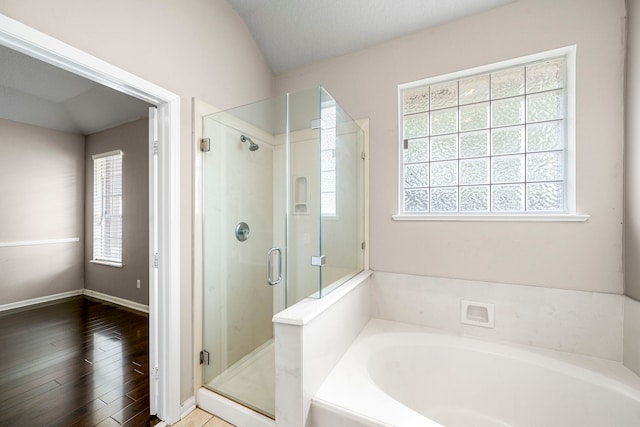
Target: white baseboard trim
(40, 300)
(115, 300)
(187, 407)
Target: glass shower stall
(283, 201)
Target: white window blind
(487, 143)
(107, 207)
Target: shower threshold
(251, 380)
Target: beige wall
(41, 193)
(194, 48)
(585, 256)
(133, 139)
(632, 154)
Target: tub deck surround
(631, 356)
(382, 380)
(587, 323)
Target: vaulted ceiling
(290, 33)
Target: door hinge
(155, 373)
(204, 357)
(363, 245)
(364, 156)
(205, 145)
(155, 260)
(156, 148)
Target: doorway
(164, 254)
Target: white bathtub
(396, 374)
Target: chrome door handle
(269, 262)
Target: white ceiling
(292, 33)
(39, 94)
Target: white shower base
(250, 380)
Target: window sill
(107, 263)
(495, 218)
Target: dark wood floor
(78, 362)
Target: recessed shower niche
(291, 167)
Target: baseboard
(187, 407)
(115, 300)
(39, 300)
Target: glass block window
(328, 160)
(485, 143)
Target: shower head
(252, 145)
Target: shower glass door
(244, 252)
(283, 217)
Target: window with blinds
(107, 207)
(487, 143)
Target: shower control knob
(242, 231)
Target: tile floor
(200, 418)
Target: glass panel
(415, 100)
(507, 112)
(444, 199)
(507, 140)
(328, 203)
(544, 106)
(247, 175)
(444, 147)
(304, 214)
(416, 200)
(328, 183)
(473, 117)
(416, 175)
(474, 89)
(444, 121)
(444, 173)
(416, 126)
(507, 198)
(234, 281)
(474, 199)
(342, 211)
(546, 196)
(327, 160)
(417, 151)
(545, 166)
(444, 95)
(507, 83)
(474, 171)
(328, 141)
(474, 144)
(507, 169)
(544, 136)
(544, 76)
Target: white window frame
(569, 53)
(100, 194)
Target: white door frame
(164, 304)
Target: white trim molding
(39, 242)
(494, 218)
(116, 300)
(40, 300)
